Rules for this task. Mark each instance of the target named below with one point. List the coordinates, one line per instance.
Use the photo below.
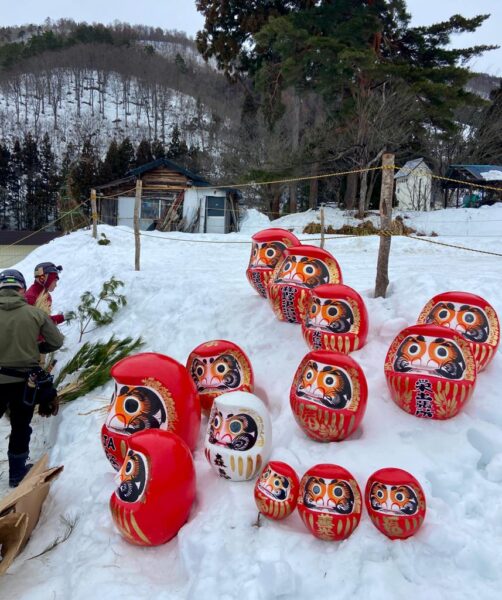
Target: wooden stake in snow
(387, 190)
(94, 212)
(137, 240)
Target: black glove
(49, 408)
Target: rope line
(454, 246)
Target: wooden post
(386, 193)
(137, 209)
(94, 212)
(322, 226)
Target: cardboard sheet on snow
(20, 510)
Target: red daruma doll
(329, 502)
(430, 371)
(395, 503)
(152, 391)
(267, 251)
(328, 395)
(303, 268)
(276, 490)
(336, 319)
(218, 367)
(157, 488)
(470, 316)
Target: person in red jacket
(39, 294)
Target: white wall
(413, 192)
(195, 199)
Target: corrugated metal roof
(478, 172)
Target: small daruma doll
(152, 391)
(276, 490)
(430, 371)
(395, 502)
(329, 502)
(267, 251)
(157, 488)
(218, 367)
(470, 316)
(336, 319)
(238, 436)
(328, 395)
(302, 269)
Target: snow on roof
(410, 166)
(479, 172)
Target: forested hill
(78, 81)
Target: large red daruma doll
(328, 396)
(329, 502)
(267, 251)
(430, 371)
(395, 502)
(218, 367)
(157, 488)
(469, 315)
(336, 319)
(152, 391)
(276, 490)
(302, 269)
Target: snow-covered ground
(188, 292)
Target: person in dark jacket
(21, 326)
(39, 293)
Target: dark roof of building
(482, 173)
(165, 162)
(27, 238)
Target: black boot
(17, 468)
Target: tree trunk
(362, 195)
(382, 276)
(350, 191)
(314, 189)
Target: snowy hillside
(189, 292)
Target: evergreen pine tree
(111, 167)
(31, 176)
(15, 186)
(49, 180)
(158, 149)
(5, 178)
(177, 149)
(84, 173)
(126, 156)
(144, 153)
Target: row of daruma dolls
(152, 428)
(430, 367)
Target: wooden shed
(172, 196)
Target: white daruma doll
(430, 371)
(218, 367)
(329, 502)
(267, 251)
(469, 315)
(328, 396)
(302, 269)
(395, 502)
(336, 319)
(276, 490)
(239, 436)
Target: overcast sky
(182, 15)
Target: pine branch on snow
(91, 366)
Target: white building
(414, 186)
(172, 196)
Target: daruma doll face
(238, 436)
(329, 502)
(152, 391)
(156, 490)
(430, 371)
(328, 396)
(395, 502)
(218, 367)
(336, 319)
(276, 490)
(471, 317)
(302, 269)
(267, 251)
